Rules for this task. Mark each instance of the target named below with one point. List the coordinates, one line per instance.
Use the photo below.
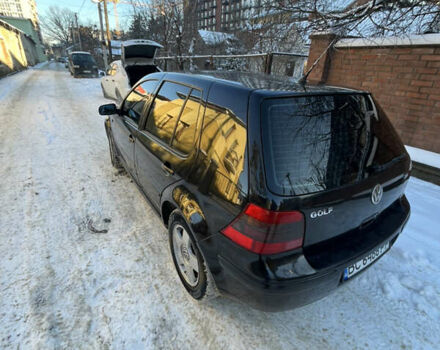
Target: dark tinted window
(166, 109)
(317, 143)
(183, 139)
(138, 99)
(139, 51)
(78, 58)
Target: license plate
(367, 260)
(87, 71)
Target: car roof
(81, 52)
(258, 81)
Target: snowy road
(63, 286)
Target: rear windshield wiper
(380, 167)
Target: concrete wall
(17, 50)
(402, 73)
(30, 50)
(12, 54)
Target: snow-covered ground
(63, 286)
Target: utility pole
(104, 49)
(109, 42)
(77, 31)
(115, 8)
(72, 33)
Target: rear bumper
(275, 294)
(85, 72)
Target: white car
(137, 60)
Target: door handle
(166, 168)
(131, 138)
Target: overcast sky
(87, 10)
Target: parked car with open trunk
(273, 193)
(137, 61)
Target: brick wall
(404, 77)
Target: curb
(426, 172)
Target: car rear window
(79, 58)
(317, 143)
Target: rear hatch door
(138, 52)
(335, 157)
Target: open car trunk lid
(138, 52)
(335, 157)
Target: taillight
(264, 231)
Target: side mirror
(108, 109)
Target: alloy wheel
(185, 254)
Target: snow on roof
(215, 38)
(407, 40)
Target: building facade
(225, 15)
(20, 9)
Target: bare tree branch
(56, 24)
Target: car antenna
(303, 79)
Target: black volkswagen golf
(273, 193)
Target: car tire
(188, 260)
(113, 152)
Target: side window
(166, 109)
(184, 136)
(138, 99)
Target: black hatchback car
(273, 193)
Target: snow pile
(413, 272)
(425, 157)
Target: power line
(80, 8)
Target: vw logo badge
(376, 195)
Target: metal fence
(279, 63)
